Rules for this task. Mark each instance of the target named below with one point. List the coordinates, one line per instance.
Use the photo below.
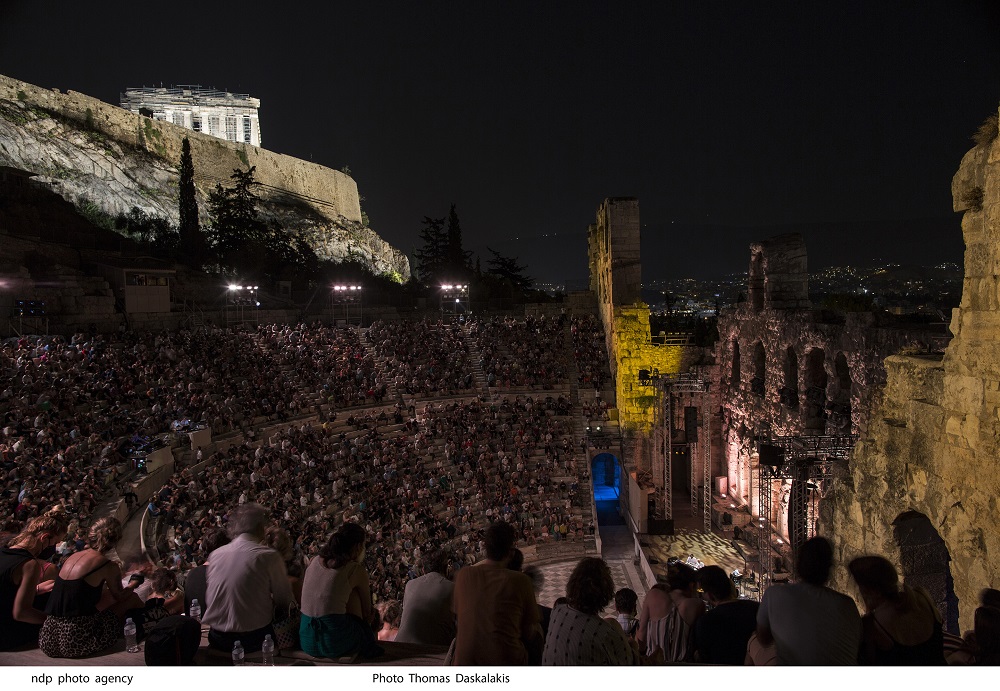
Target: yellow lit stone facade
(931, 450)
(615, 276)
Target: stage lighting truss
(455, 298)
(342, 298)
(672, 389)
(809, 464)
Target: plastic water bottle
(268, 650)
(195, 610)
(238, 654)
(130, 642)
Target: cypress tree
(191, 239)
(457, 260)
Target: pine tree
(191, 239)
(431, 258)
(237, 235)
(507, 269)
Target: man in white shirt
(427, 616)
(246, 583)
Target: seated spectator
(75, 627)
(655, 607)
(336, 599)
(626, 604)
(809, 623)
(196, 583)
(495, 607)
(246, 583)
(987, 636)
(965, 650)
(577, 633)
(722, 633)
(901, 626)
(390, 611)
(165, 598)
(544, 613)
(674, 631)
(427, 616)
(277, 539)
(20, 569)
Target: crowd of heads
(521, 353)
(74, 408)
(589, 351)
(423, 358)
(423, 481)
(428, 479)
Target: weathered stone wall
(615, 274)
(788, 370)
(934, 439)
(778, 276)
(330, 192)
(615, 277)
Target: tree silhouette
(238, 236)
(191, 239)
(457, 262)
(431, 257)
(507, 269)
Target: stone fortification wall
(329, 192)
(930, 454)
(616, 278)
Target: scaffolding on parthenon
(669, 386)
(807, 463)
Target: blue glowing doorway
(606, 472)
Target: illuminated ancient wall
(615, 275)
(924, 477)
(789, 370)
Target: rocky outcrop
(107, 160)
(930, 455)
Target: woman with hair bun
(20, 573)
(337, 601)
(75, 626)
(901, 624)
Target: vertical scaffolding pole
(764, 490)
(694, 453)
(706, 490)
(668, 500)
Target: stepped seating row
(401, 474)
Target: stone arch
(815, 381)
(790, 389)
(757, 386)
(924, 557)
(840, 406)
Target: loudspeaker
(691, 423)
(770, 455)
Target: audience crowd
(517, 353)
(371, 512)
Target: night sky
(729, 121)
